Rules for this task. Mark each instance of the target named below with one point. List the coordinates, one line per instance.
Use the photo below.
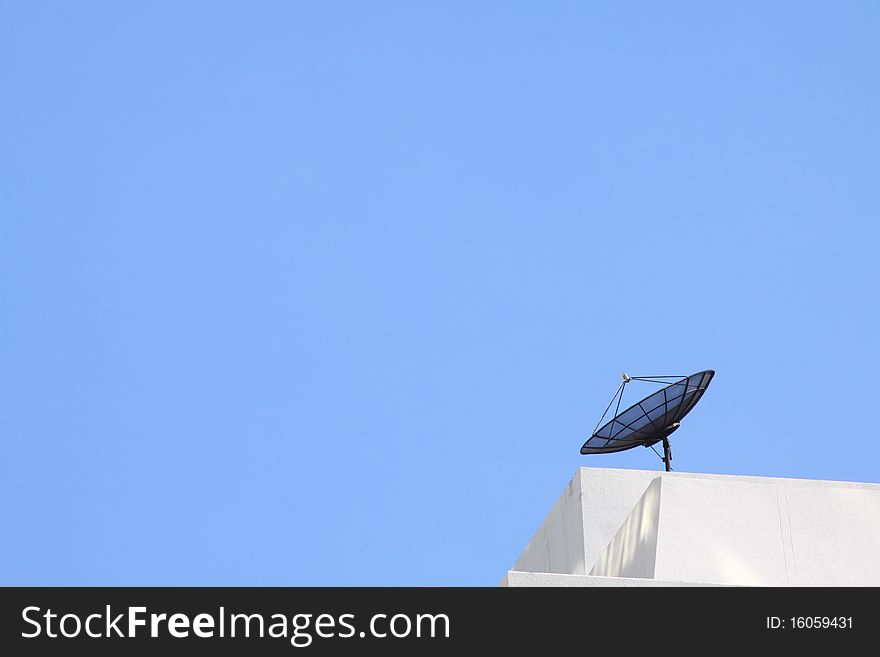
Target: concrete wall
(769, 532)
(717, 529)
(633, 551)
(583, 521)
(558, 545)
(608, 497)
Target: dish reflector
(651, 420)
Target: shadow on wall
(633, 551)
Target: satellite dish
(651, 420)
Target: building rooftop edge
(744, 478)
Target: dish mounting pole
(667, 454)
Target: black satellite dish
(651, 420)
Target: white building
(645, 528)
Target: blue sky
(332, 293)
